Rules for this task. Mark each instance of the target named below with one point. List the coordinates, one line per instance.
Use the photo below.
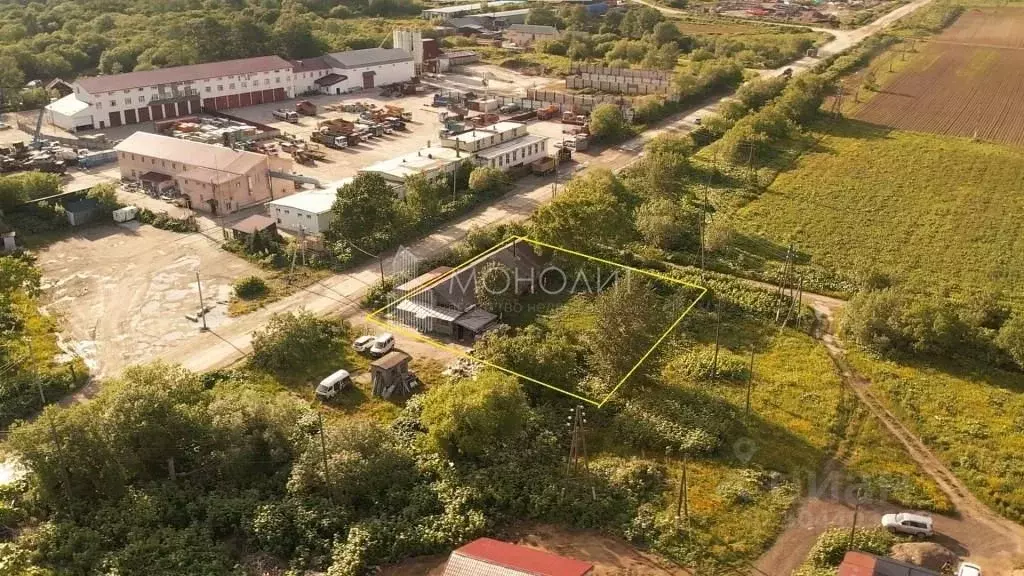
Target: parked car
(916, 525)
(330, 386)
(363, 343)
(509, 108)
(383, 344)
(968, 569)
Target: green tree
(591, 213)
(495, 287)
(106, 195)
(365, 213)
(757, 92)
(543, 16)
(631, 317)
(487, 180)
(289, 339)
(293, 35)
(666, 224)
(665, 32)
(424, 195)
(474, 417)
(11, 78)
(1011, 338)
(607, 123)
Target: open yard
(965, 82)
(937, 211)
(123, 290)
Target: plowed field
(968, 81)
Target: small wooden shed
(390, 374)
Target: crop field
(965, 82)
(935, 211)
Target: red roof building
(861, 564)
(487, 557)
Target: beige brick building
(215, 179)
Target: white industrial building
(519, 152)
(432, 162)
(443, 13)
(308, 211)
(343, 72)
(480, 138)
(112, 100)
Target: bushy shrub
(831, 546)
(292, 340)
(250, 287)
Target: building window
(231, 86)
(174, 165)
(99, 105)
(220, 87)
(142, 99)
(128, 101)
(127, 91)
(208, 89)
(277, 80)
(266, 82)
(245, 84)
(113, 103)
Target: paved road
(340, 294)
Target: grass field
(973, 420)
(939, 212)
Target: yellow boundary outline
(376, 317)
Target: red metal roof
(523, 560)
(129, 80)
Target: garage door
(129, 117)
(115, 119)
(222, 102)
(257, 97)
(157, 111)
(169, 110)
(233, 101)
(279, 94)
(143, 114)
(245, 99)
(210, 103)
(194, 106)
(367, 79)
(268, 96)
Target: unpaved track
(978, 533)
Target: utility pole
(578, 445)
(323, 452)
(853, 527)
(718, 330)
(380, 260)
(750, 383)
(54, 437)
(202, 307)
(682, 504)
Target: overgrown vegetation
(32, 366)
(58, 38)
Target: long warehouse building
(105, 101)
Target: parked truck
(330, 139)
(548, 112)
(286, 115)
(305, 107)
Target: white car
(383, 344)
(916, 525)
(363, 343)
(968, 569)
(330, 386)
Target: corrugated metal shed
(488, 557)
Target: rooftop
(253, 224)
(423, 279)
(368, 57)
(487, 557)
(533, 29)
(505, 14)
(509, 146)
(425, 160)
(486, 132)
(177, 74)
(312, 201)
(470, 7)
(308, 64)
(68, 105)
(391, 359)
(213, 159)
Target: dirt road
(976, 532)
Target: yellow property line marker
(377, 315)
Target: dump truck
(398, 112)
(338, 125)
(543, 166)
(330, 139)
(439, 100)
(286, 115)
(569, 117)
(305, 107)
(548, 112)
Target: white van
(330, 386)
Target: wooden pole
(202, 307)
(718, 330)
(750, 382)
